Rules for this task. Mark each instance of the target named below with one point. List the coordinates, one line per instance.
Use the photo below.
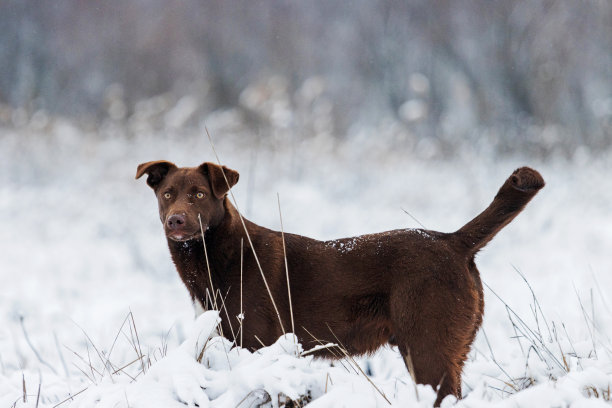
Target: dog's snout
(176, 221)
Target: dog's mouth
(182, 236)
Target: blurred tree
(443, 69)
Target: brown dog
(415, 288)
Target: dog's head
(183, 193)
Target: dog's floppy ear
(156, 171)
(214, 172)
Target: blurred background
(507, 76)
(352, 111)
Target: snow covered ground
(87, 285)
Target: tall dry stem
(241, 269)
(263, 276)
(212, 289)
(286, 265)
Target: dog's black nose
(175, 221)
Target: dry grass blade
(164, 347)
(516, 335)
(231, 329)
(126, 366)
(263, 399)
(318, 348)
(484, 333)
(25, 395)
(130, 339)
(84, 373)
(201, 355)
(593, 310)
(565, 363)
(604, 339)
(115, 342)
(89, 341)
(212, 289)
(529, 334)
(27, 338)
(477, 352)
(408, 361)
(535, 301)
(92, 379)
(61, 355)
(263, 276)
(70, 397)
(501, 390)
(601, 295)
(227, 315)
(411, 216)
(586, 320)
(327, 379)
(241, 309)
(210, 302)
(286, 265)
(572, 344)
(259, 340)
(322, 343)
(91, 365)
(536, 343)
(347, 355)
(38, 396)
(137, 342)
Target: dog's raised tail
(510, 200)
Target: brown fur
(418, 289)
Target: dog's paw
(526, 179)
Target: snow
(343, 247)
(85, 265)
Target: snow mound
(207, 371)
(211, 372)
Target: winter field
(93, 313)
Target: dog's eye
(200, 195)
(167, 196)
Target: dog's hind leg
(433, 368)
(433, 338)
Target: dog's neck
(222, 246)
